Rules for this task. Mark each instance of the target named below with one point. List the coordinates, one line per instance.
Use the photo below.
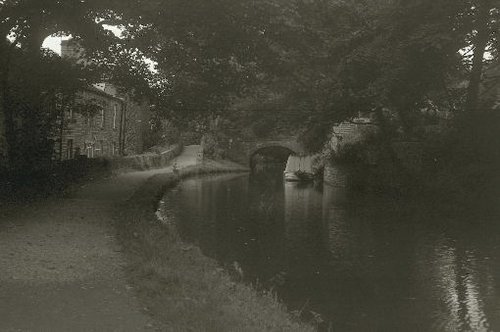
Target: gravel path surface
(61, 268)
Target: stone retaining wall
(336, 176)
(146, 161)
(348, 133)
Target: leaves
(320, 61)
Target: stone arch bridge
(242, 151)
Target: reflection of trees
(440, 284)
(457, 284)
(234, 219)
(373, 257)
(337, 236)
(303, 206)
(300, 203)
(269, 159)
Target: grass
(24, 185)
(179, 286)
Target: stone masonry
(96, 135)
(117, 130)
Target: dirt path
(61, 266)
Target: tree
(31, 76)
(325, 60)
(396, 55)
(483, 38)
(208, 51)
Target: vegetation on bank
(454, 167)
(29, 184)
(63, 176)
(177, 284)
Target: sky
(54, 43)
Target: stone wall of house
(135, 121)
(94, 136)
(123, 129)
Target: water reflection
(461, 286)
(364, 262)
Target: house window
(91, 120)
(69, 149)
(90, 150)
(115, 115)
(102, 118)
(69, 114)
(97, 149)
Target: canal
(351, 261)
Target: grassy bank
(179, 286)
(67, 175)
(22, 185)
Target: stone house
(136, 119)
(100, 134)
(117, 128)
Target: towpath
(61, 268)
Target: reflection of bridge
(242, 150)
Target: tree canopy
(329, 58)
(34, 82)
(322, 60)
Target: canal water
(351, 261)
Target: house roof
(100, 92)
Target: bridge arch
(272, 153)
(290, 144)
(243, 151)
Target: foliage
(326, 59)
(161, 133)
(397, 55)
(37, 86)
(29, 22)
(35, 93)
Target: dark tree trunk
(8, 129)
(480, 44)
(33, 134)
